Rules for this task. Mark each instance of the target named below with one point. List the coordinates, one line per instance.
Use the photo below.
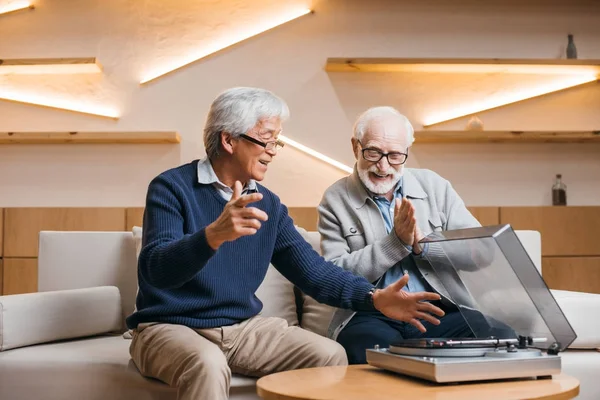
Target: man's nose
(383, 164)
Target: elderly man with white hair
(210, 232)
(370, 224)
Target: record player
(488, 270)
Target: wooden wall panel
(1, 278)
(134, 217)
(486, 215)
(305, 217)
(22, 225)
(566, 231)
(1, 231)
(20, 275)
(581, 274)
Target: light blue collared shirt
(407, 265)
(207, 176)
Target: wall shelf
(437, 137)
(464, 65)
(35, 66)
(89, 137)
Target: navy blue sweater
(183, 281)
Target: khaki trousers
(199, 362)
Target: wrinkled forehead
(389, 132)
(268, 128)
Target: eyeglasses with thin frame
(275, 144)
(374, 155)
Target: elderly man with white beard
(370, 224)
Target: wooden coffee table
(365, 382)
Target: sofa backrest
(71, 260)
(532, 242)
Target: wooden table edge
(567, 395)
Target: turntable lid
(489, 270)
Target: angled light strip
(509, 98)
(233, 38)
(58, 104)
(315, 154)
(36, 66)
(15, 6)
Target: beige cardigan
(353, 234)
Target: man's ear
(227, 142)
(355, 147)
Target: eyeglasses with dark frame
(275, 144)
(374, 155)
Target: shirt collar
(207, 176)
(397, 191)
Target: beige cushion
(93, 368)
(34, 318)
(276, 292)
(532, 243)
(74, 260)
(315, 316)
(277, 296)
(137, 239)
(581, 310)
(585, 366)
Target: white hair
(363, 122)
(236, 111)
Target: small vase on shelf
(559, 192)
(474, 124)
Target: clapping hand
(405, 221)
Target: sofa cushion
(137, 239)
(532, 243)
(73, 260)
(276, 292)
(94, 368)
(581, 310)
(278, 298)
(33, 318)
(315, 316)
(585, 366)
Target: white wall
(131, 38)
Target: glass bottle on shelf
(559, 192)
(571, 49)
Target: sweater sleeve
(169, 258)
(324, 281)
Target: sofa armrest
(581, 310)
(33, 318)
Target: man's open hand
(400, 305)
(236, 220)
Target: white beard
(383, 187)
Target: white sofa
(68, 341)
